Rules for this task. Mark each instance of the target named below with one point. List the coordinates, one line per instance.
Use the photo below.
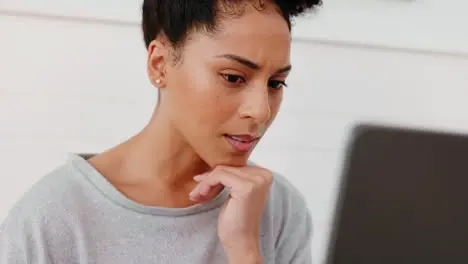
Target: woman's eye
(275, 84)
(234, 79)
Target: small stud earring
(158, 81)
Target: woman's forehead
(253, 32)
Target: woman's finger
(214, 181)
(254, 174)
(205, 192)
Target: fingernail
(194, 192)
(197, 178)
(204, 190)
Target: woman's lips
(242, 143)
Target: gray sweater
(74, 216)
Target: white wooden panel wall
(65, 87)
(80, 86)
(121, 11)
(430, 25)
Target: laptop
(403, 199)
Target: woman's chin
(232, 161)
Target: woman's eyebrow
(249, 63)
(283, 70)
(240, 60)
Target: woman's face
(226, 89)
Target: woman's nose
(256, 106)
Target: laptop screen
(403, 199)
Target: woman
(182, 190)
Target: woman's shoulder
(53, 194)
(284, 194)
(289, 220)
(42, 216)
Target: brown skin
(200, 102)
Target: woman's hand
(239, 220)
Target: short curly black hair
(175, 18)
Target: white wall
(68, 76)
(430, 25)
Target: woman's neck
(155, 167)
(164, 156)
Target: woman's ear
(157, 59)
